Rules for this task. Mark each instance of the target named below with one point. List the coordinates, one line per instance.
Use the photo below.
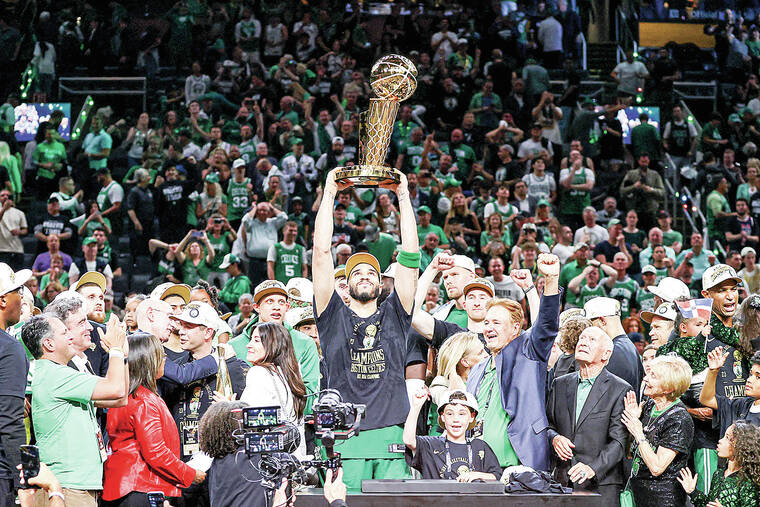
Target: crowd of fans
(521, 291)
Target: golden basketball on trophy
(393, 78)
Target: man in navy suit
(515, 375)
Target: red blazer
(145, 445)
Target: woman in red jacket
(144, 437)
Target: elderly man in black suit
(585, 430)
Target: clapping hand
(631, 416)
(687, 480)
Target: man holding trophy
(363, 343)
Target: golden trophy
(393, 78)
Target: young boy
(730, 410)
(451, 455)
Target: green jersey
(670, 237)
(412, 156)
(660, 273)
(45, 153)
(588, 293)
(624, 291)
(463, 157)
(354, 215)
(104, 201)
(238, 198)
(644, 300)
(575, 200)
(192, 273)
(287, 261)
(248, 149)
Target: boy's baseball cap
(268, 287)
(665, 310)
(452, 398)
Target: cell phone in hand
(30, 463)
(198, 234)
(156, 499)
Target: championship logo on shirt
(369, 338)
(738, 373)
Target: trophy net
(375, 129)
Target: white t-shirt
(531, 147)
(631, 76)
(597, 233)
(12, 219)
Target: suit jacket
(599, 435)
(521, 368)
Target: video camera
(266, 434)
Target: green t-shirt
(458, 317)
(233, 289)
(716, 203)
(424, 231)
(221, 248)
(644, 300)
(65, 425)
(383, 249)
(463, 157)
(495, 418)
(574, 200)
(49, 152)
(63, 278)
(426, 258)
(412, 155)
(670, 237)
(570, 271)
(354, 215)
(192, 273)
(238, 198)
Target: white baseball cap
(238, 163)
(669, 289)
(666, 311)
(390, 272)
(470, 401)
(11, 280)
(300, 289)
(570, 314)
(649, 269)
(198, 312)
(462, 261)
(601, 307)
(297, 316)
(748, 249)
(717, 274)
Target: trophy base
(366, 175)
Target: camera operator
(234, 478)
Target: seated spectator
(42, 261)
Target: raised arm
(410, 426)
(422, 321)
(322, 261)
(543, 333)
(524, 280)
(406, 277)
(190, 372)
(112, 387)
(715, 360)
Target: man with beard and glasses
(364, 343)
(14, 367)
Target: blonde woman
(456, 357)
(662, 431)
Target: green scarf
(728, 335)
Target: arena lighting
(82, 118)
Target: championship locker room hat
(669, 289)
(300, 289)
(458, 397)
(362, 258)
(198, 312)
(601, 307)
(479, 283)
(462, 261)
(11, 280)
(268, 287)
(92, 277)
(167, 289)
(666, 311)
(718, 274)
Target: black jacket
(599, 435)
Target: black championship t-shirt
(435, 460)
(731, 410)
(188, 403)
(366, 358)
(733, 374)
(443, 330)
(235, 480)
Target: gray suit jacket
(599, 435)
